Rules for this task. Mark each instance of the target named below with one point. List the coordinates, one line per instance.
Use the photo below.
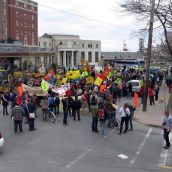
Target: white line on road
(77, 159)
(141, 146)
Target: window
(17, 37)
(39, 43)
(33, 17)
(89, 45)
(97, 45)
(17, 23)
(17, 14)
(25, 33)
(96, 56)
(49, 59)
(17, 4)
(60, 43)
(32, 34)
(17, 32)
(5, 12)
(25, 15)
(37, 60)
(25, 24)
(25, 6)
(74, 43)
(49, 44)
(44, 44)
(32, 26)
(33, 41)
(90, 56)
(82, 45)
(83, 55)
(32, 7)
(28, 7)
(25, 41)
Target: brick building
(19, 21)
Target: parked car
(136, 86)
(1, 140)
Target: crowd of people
(84, 98)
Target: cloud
(110, 25)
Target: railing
(25, 49)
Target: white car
(136, 86)
(1, 140)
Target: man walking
(30, 113)
(125, 113)
(76, 106)
(167, 124)
(17, 116)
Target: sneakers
(166, 147)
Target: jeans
(156, 95)
(129, 94)
(69, 111)
(56, 109)
(31, 123)
(94, 123)
(74, 113)
(166, 137)
(65, 117)
(124, 119)
(102, 125)
(5, 109)
(110, 116)
(18, 124)
(130, 118)
(151, 98)
(44, 114)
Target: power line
(81, 16)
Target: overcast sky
(113, 28)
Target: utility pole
(149, 54)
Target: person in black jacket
(5, 103)
(56, 104)
(76, 106)
(30, 108)
(65, 110)
(132, 109)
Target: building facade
(19, 21)
(70, 49)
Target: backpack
(93, 100)
(101, 114)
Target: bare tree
(163, 15)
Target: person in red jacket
(151, 95)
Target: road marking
(78, 158)
(165, 156)
(123, 156)
(55, 163)
(166, 167)
(141, 146)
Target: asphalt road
(75, 148)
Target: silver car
(1, 140)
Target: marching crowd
(83, 98)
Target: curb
(147, 124)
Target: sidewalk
(155, 114)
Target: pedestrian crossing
(166, 157)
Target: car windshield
(135, 84)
